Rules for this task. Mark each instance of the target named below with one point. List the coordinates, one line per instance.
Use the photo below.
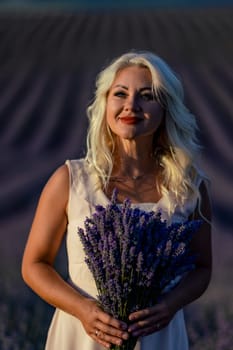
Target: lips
(130, 120)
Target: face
(132, 110)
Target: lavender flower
(134, 257)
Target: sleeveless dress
(66, 332)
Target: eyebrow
(125, 87)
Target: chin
(128, 137)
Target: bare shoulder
(57, 187)
(60, 177)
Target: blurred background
(50, 53)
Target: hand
(103, 328)
(150, 320)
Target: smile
(130, 120)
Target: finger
(111, 331)
(155, 313)
(96, 336)
(141, 314)
(148, 325)
(149, 328)
(140, 324)
(107, 339)
(140, 332)
(109, 320)
(102, 342)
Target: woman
(141, 140)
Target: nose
(132, 103)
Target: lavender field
(48, 63)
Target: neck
(133, 160)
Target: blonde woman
(142, 141)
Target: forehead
(133, 75)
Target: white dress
(66, 332)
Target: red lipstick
(130, 120)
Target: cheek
(156, 110)
(112, 110)
(155, 119)
(156, 114)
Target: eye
(121, 94)
(148, 96)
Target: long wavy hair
(175, 143)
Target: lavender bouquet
(134, 256)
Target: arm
(45, 238)
(190, 288)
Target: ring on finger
(97, 332)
